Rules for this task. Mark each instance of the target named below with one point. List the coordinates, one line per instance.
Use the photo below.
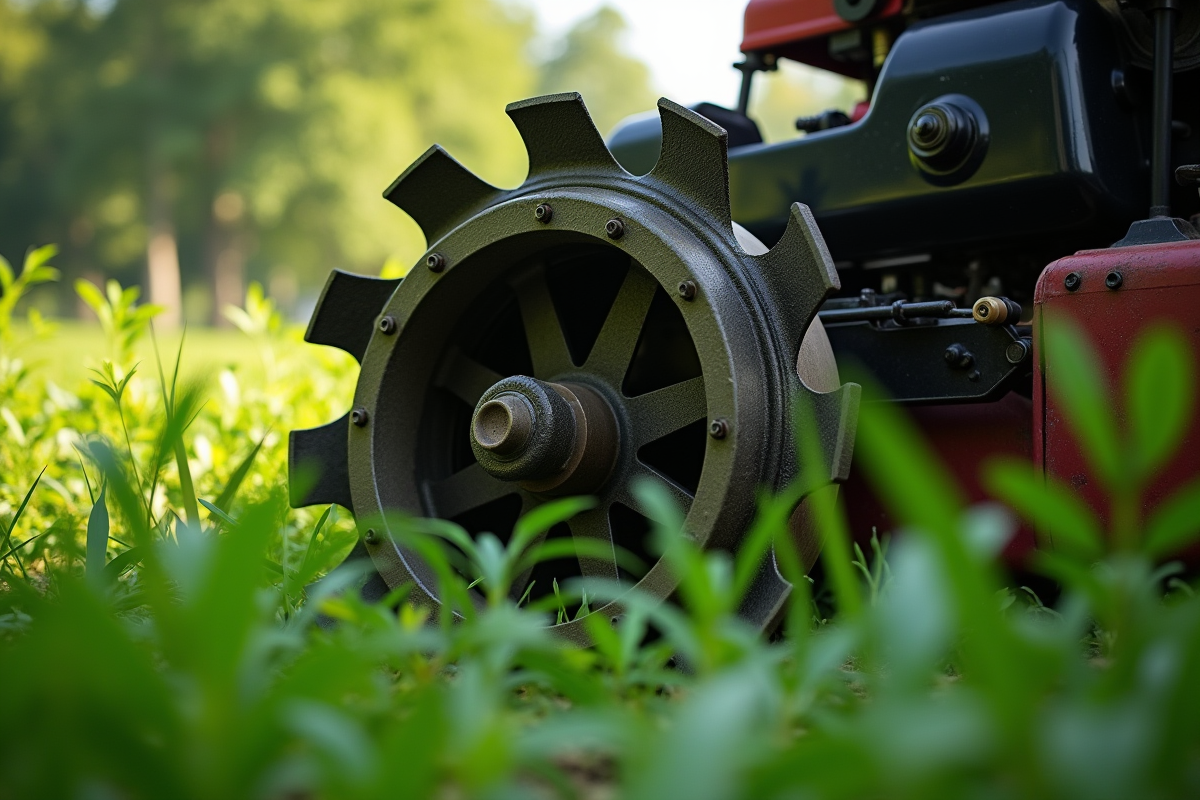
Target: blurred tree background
(192, 145)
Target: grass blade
(129, 558)
(218, 513)
(225, 499)
(12, 526)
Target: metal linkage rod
(1164, 12)
(898, 311)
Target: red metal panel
(965, 438)
(771, 23)
(1159, 284)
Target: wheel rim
(428, 309)
(424, 350)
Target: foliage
(13, 287)
(258, 137)
(121, 318)
(149, 651)
(591, 61)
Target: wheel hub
(550, 438)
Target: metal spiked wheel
(581, 332)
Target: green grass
(59, 358)
(157, 633)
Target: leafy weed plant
(149, 649)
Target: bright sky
(689, 45)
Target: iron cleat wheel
(582, 332)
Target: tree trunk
(229, 278)
(224, 241)
(162, 253)
(163, 281)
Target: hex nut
(1016, 352)
(718, 428)
(387, 325)
(614, 228)
(371, 537)
(359, 417)
(687, 290)
(958, 357)
(1113, 280)
(1072, 281)
(436, 262)
(543, 213)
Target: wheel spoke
(465, 377)
(655, 414)
(641, 473)
(547, 346)
(618, 337)
(593, 526)
(464, 490)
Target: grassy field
(157, 633)
(76, 346)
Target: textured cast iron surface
(741, 330)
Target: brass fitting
(996, 311)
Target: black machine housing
(1057, 159)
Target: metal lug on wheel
(718, 428)
(687, 290)
(371, 537)
(1072, 281)
(359, 417)
(614, 228)
(543, 213)
(387, 325)
(436, 262)
(1114, 280)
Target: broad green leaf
(42, 275)
(1176, 523)
(1054, 510)
(545, 517)
(130, 558)
(88, 292)
(36, 258)
(1077, 382)
(97, 536)
(1159, 396)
